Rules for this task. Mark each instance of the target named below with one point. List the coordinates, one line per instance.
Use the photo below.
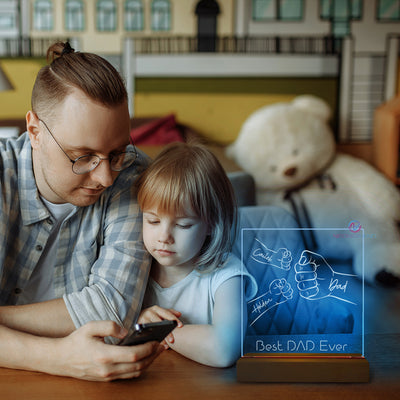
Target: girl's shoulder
(233, 267)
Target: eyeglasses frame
(88, 155)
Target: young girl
(189, 215)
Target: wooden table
(172, 376)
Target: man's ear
(32, 126)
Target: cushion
(157, 132)
(243, 187)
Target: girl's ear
(32, 126)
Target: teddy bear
(289, 150)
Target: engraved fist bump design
(279, 292)
(317, 280)
(279, 259)
(314, 276)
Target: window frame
(40, 12)
(278, 5)
(387, 20)
(80, 26)
(155, 25)
(138, 14)
(352, 16)
(11, 21)
(103, 12)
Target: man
(72, 264)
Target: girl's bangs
(165, 196)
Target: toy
(290, 151)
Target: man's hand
(83, 354)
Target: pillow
(158, 132)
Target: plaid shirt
(101, 267)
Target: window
(7, 21)
(388, 10)
(356, 9)
(133, 15)
(74, 15)
(43, 15)
(284, 10)
(8, 16)
(160, 15)
(341, 9)
(341, 13)
(106, 15)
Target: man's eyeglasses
(84, 164)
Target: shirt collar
(32, 208)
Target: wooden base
(302, 368)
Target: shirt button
(17, 290)
(39, 247)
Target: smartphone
(154, 331)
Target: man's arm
(82, 354)
(112, 269)
(50, 318)
(118, 274)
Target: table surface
(172, 376)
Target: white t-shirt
(194, 296)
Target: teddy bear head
(284, 145)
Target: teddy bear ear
(313, 105)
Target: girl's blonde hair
(189, 175)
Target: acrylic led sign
(306, 322)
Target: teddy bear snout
(290, 171)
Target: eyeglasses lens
(118, 162)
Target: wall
(361, 30)
(217, 108)
(15, 102)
